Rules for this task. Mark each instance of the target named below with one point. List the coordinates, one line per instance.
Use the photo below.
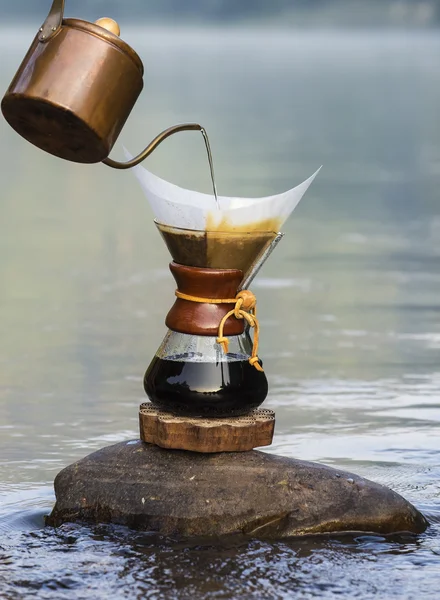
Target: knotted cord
(245, 308)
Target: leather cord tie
(245, 308)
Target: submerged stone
(252, 493)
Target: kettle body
(74, 91)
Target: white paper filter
(188, 209)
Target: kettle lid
(100, 29)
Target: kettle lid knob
(109, 24)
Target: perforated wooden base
(236, 434)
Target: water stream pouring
(75, 89)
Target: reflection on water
(351, 348)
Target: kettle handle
(53, 21)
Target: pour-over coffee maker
(208, 363)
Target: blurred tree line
(422, 12)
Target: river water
(349, 305)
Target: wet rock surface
(252, 493)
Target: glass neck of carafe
(200, 348)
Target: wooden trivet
(235, 434)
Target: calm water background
(349, 305)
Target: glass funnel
(192, 375)
(242, 250)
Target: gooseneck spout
(158, 140)
(152, 146)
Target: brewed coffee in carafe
(192, 375)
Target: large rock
(193, 494)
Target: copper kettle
(75, 89)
